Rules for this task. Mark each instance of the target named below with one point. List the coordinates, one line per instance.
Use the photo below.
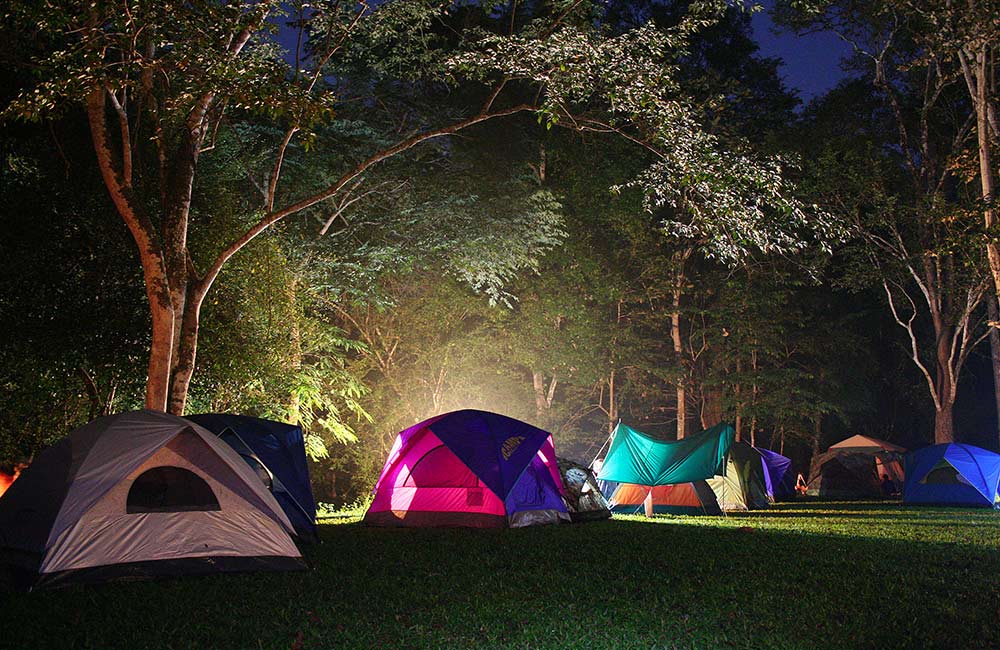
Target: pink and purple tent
(469, 468)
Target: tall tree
(917, 53)
(914, 238)
(157, 81)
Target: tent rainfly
(635, 457)
(469, 468)
(952, 474)
(140, 494)
(276, 452)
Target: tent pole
(606, 443)
(647, 503)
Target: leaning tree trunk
(116, 171)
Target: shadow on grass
(611, 584)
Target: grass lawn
(814, 575)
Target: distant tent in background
(276, 452)
(866, 442)
(777, 472)
(854, 468)
(703, 473)
(141, 494)
(584, 500)
(469, 468)
(952, 474)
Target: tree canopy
(357, 215)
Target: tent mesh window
(943, 474)
(260, 470)
(169, 489)
(439, 467)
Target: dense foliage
(570, 212)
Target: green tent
(708, 472)
(742, 485)
(634, 457)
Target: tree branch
(274, 216)
(126, 138)
(272, 186)
(915, 350)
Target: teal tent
(634, 457)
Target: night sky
(811, 63)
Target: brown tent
(853, 468)
(141, 494)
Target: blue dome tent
(276, 451)
(952, 474)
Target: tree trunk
(737, 390)
(612, 404)
(612, 360)
(116, 173)
(160, 349)
(943, 425)
(817, 434)
(753, 397)
(994, 317)
(977, 78)
(538, 383)
(675, 336)
(946, 388)
(187, 350)
(681, 410)
(543, 397)
(295, 364)
(711, 408)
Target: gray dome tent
(140, 494)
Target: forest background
(504, 222)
